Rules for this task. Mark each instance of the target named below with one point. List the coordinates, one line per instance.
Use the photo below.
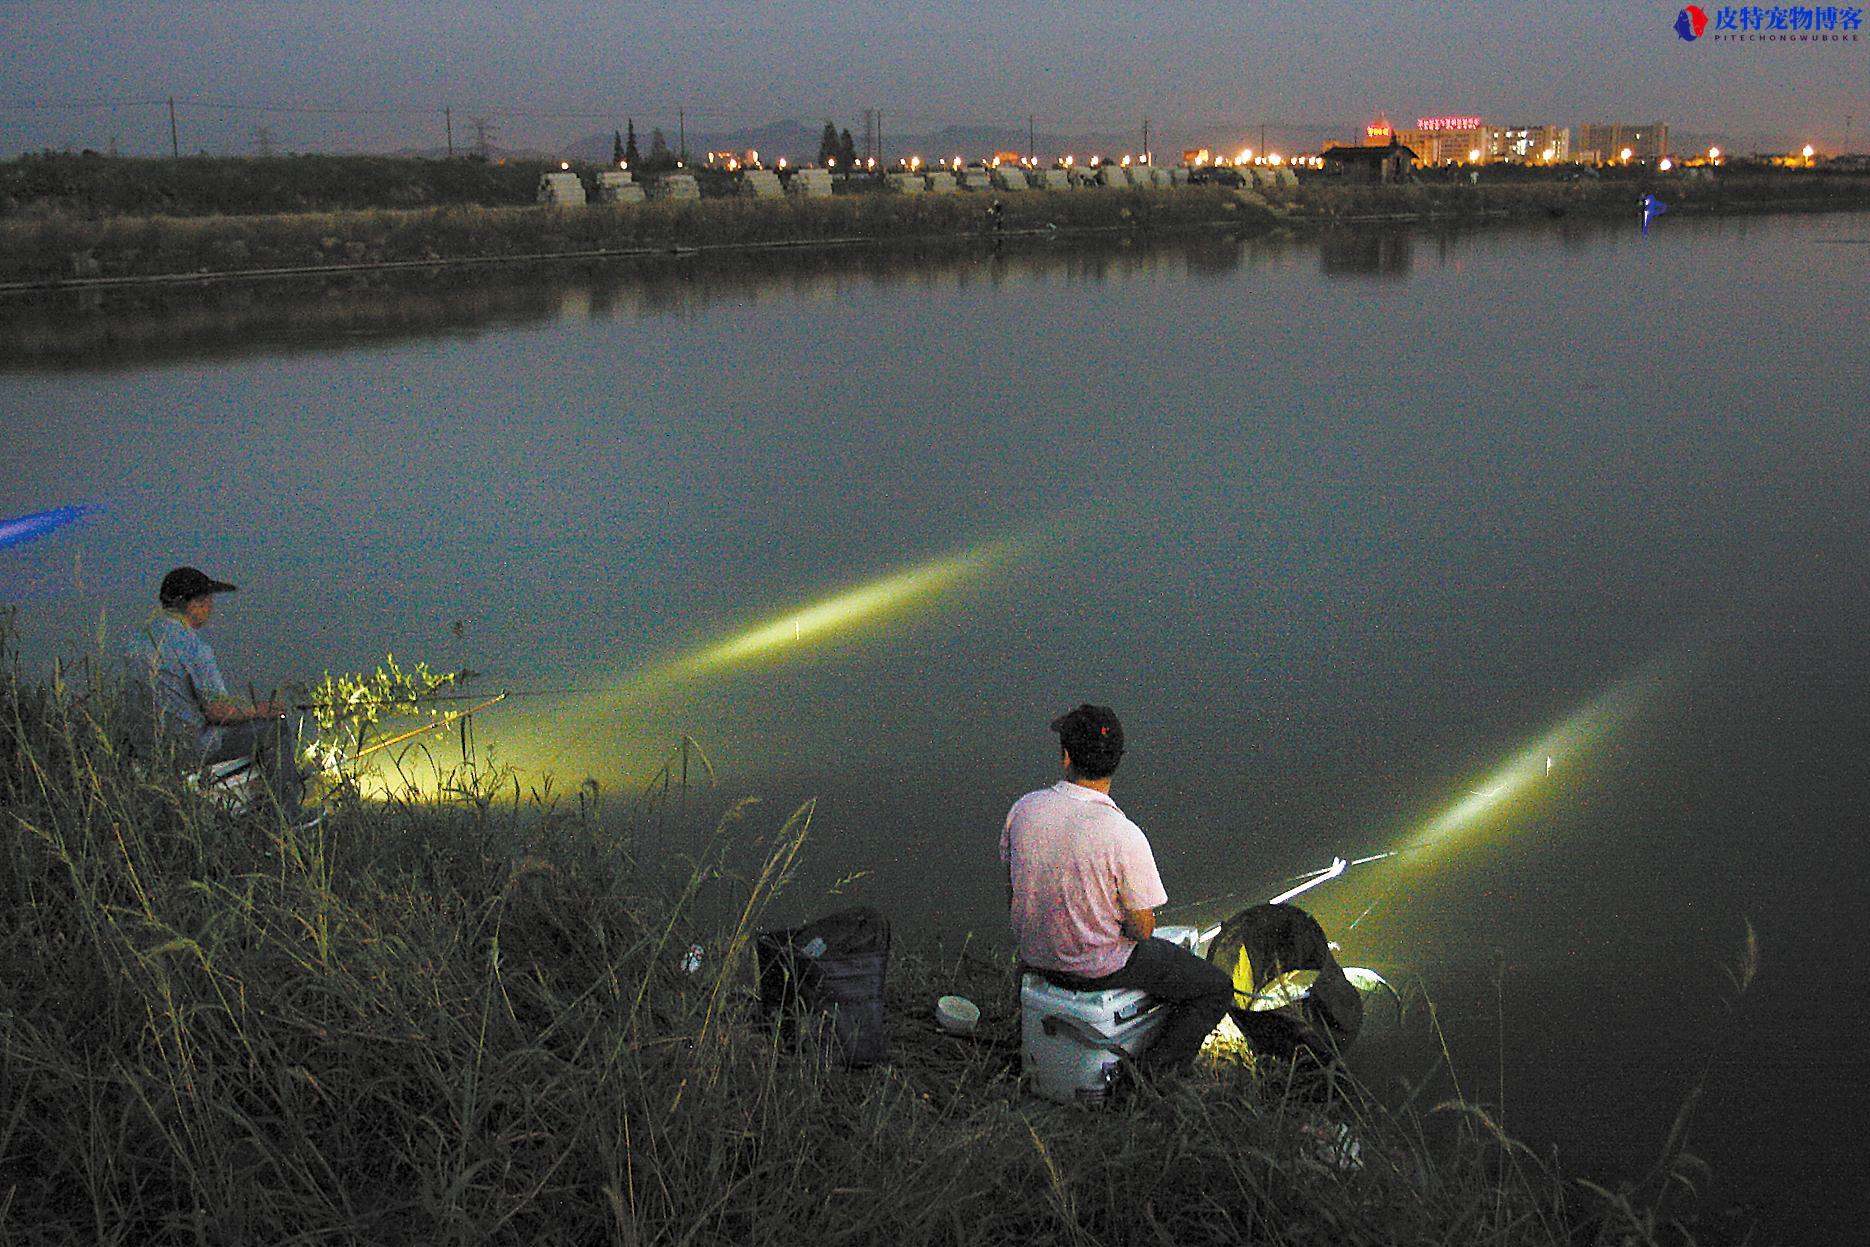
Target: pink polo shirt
(1076, 865)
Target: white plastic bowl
(956, 1014)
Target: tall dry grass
(465, 1019)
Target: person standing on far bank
(1082, 888)
(177, 686)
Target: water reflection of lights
(574, 719)
(839, 613)
(24, 528)
(1515, 784)
(1517, 778)
(622, 720)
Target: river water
(1536, 554)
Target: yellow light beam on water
(543, 742)
(1521, 776)
(612, 721)
(867, 603)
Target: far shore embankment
(74, 236)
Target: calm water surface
(1354, 533)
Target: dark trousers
(272, 744)
(1198, 995)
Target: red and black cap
(186, 583)
(1090, 734)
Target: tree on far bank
(616, 147)
(629, 144)
(828, 149)
(660, 157)
(847, 150)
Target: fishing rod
(452, 716)
(1310, 880)
(1305, 880)
(515, 694)
(413, 700)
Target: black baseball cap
(1090, 734)
(186, 583)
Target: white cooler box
(1060, 1065)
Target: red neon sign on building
(1447, 123)
(1379, 131)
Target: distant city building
(1535, 144)
(1379, 133)
(1470, 140)
(1605, 144)
(1451, 140)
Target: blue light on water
(22, 529)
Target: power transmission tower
(484, 132)
(263, 141)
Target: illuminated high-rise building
(1451, 140)
(1606, 144)
(1536, 144)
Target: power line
(48, 105)
(377, 110)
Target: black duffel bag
(830, 969)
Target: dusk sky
(552, 71)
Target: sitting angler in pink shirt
(1083, 890)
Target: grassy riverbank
(62, 247)
(465, 1020)
(68, 219)
(97, 186)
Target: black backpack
(830, 970)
